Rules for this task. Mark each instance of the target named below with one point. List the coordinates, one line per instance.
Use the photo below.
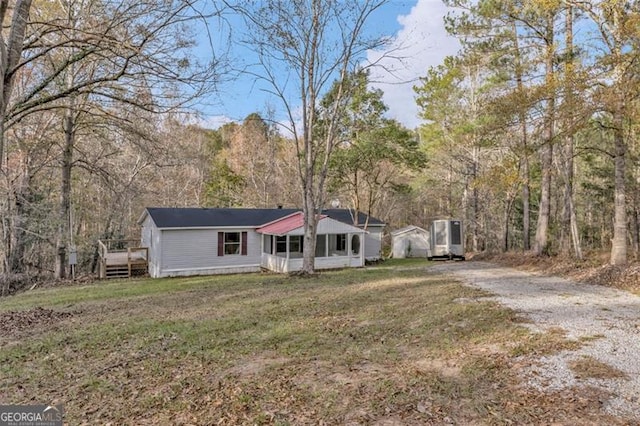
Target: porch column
(326, 245)
(287, 248)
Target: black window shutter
(244, 244)
(220, 243)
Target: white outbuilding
(410, 241)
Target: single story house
(410, 241)
(203, 241)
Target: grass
(589, 367)
(385, 344)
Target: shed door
(440, 228)
(456, 233)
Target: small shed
(410, 241)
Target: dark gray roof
(181, 217)
(346, 216)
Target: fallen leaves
(14, 322)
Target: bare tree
(89, 58)
(303, 46)
(546, 157)
(10, 53)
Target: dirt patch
(256, 365)
(14, 323)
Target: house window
(321, 246)
(341, 242)
(231, 243)
(295, 244)
(281, 244)
(355, 244)
(266, 243)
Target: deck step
(122, 258)
(117, 271)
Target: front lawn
(379, 345)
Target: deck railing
(112, 254)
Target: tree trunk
(570, 235)
(526, 198)
(526, 174)
(507, 216)
(476, 201)
(310, 228)
(542, 229)
(10, 54)
(65, 196)
(10, 57)
(635, 227)
(619, 241)
(18, 222)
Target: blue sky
(417, 36)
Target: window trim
(232, 247)
(242, 243)
(281, 240)
(299, 243)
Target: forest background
(529, 134)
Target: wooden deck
(122, 258)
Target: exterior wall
(373, 243)
(410, 244)
(195, 252)
(208, 271)
(335, 262)
(151, 238)
(399, 247)
(280, 264)
(274, 263)
(183, 252)
(441, 245)
(329, 226)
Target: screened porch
(283, 253)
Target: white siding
(329, 226)
(209, 271)
(280, 264)
(274, 263)
(151, 239)
(195, 252)
(181, 252)
(373, 243)
(414, 243)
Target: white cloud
(422, 42)
(214, 121)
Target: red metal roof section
(285, 225)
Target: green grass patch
(414, 262)
(351, 346)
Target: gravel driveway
(606, 319)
